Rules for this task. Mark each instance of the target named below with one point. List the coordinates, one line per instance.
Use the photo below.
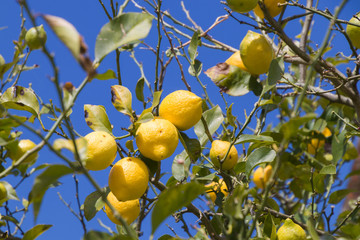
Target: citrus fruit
(242, 6)
(35, 37)
(157, 139)
(3, 191)
(24, 146)
(236, 60)
(316, 143)
(101, 150)
(182, 108)
(291, 231)
(353, 31)
(128, 178)
(216, 187)
(129, 210)
(2, 60)
(271, 6)
(218, 151)
(262, 176)
(256, 53)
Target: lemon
(262, 176)
(101, 150)
(128, 178)
(316, 143)
(256, 53)
(24, 146)
(129, 210)
(218, 151)
(354, 32)
(182, 108)
(271, 6)
(291, 231)
(157, 139)
(242, 6)
(236, 60)
(35, 37)
(3, 191)
(216, 187)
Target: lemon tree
(211, 120)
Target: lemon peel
(271, 6)
(353, 31)
(262, 176)
(242, 6)
(291, 231)
(236, 60)
(216, 187)
(24, 145)
(218, 151)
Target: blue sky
(88, 17)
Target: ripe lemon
(291, 231)
(3, 191)
(101, 150)
(35, 37)
(236, 60)
(157, 139)
(218, 151)
(24, 146)
(242, 6)
(128, 178)
(262, 176)
(354, 32)
(129, 210)
(271, 6)
(316, 143)
(216, 187)
(256, 53)
(182, 108)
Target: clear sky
(88, 17)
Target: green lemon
(36, 37)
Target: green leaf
(66, 32)
(8, 123)
(230, 117)
(258, 156)
(124, 29)
(121, 98)
(11, 192)
(311, 229)
(139, 89)
(192, 146)
(43, 181)
(276, 71)
(180, 166)
(93, 203)
(109, 74)
(196, 68)
(338, 146)
(233, 204)
(21, 98)
(291, 128)
(269, 227)
(36, 231)
(173, 199)
(97, 235)
(338, 195)
(245, 138)
(81, 146)
(97, 119)
(329, 169)
(231, 79)
(156, 99)
(194, 43)
(213, 117)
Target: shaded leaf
(213, 118)
(121, 98)
(139, 89)
(196, 68)
(173, 199)
(276, 72)
(180, 166)
(81, 146)
(192, 146)
(97, 235)
(329, 169)
(269, 227)
(36, 231)
(258, 156)
(338, 195)
(291, 128)
(97, 119)
(311, 229)
(124, 29)
(338, 145)
(194, 43)
(233, 204)
(109, 74)
(93, 203)
(43, 181)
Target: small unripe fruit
(35, 37)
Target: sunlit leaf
(81, 146)
(121, 98)
(173, 199)
(291, 128)
(109, 74)
(96, 118)
(196, 68)
(180, 166)
(36, 231)
(245, 138)
(194, 43)
(124, 29)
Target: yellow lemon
(24, 146)
(242, 6)
(262, 176)
(216, 187)
(3, 191)
(157, 139)
(101, 150)
(129, 210)
(236, 60)
(353, 31)
(291, 231)
(316, 143)
(182, 108)
(256, 53)
(218, 151)
(128, 178)
(271, 6)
